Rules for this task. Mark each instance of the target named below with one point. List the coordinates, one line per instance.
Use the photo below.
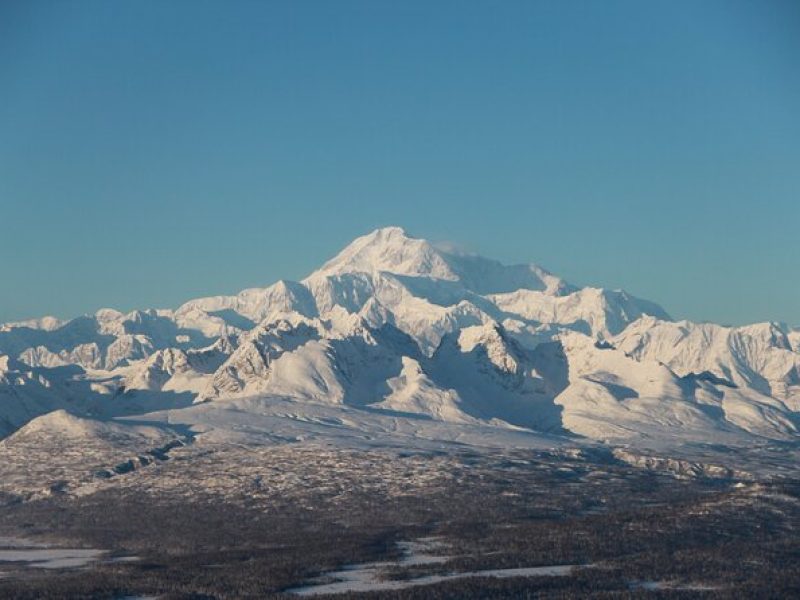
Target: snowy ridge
(395, 325)
(59, 452)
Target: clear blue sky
(154, 151)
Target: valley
(459, 522)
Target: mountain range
(397, 327)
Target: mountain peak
(392, 250)
(446, 334)
(389, 231)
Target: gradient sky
(151, 152)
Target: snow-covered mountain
(395, 325)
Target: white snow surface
(399, 330)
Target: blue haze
(155, 151)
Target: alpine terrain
(406, 421)
(402, 330)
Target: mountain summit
(396, 327)
(391, 250)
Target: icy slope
(613, 396)
(761, 357)
(394, 325)
(391, 250)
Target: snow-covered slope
(58, 451)
(762, 357)
(612, 395)
(390, 250)
(60, 423)
(24, 394)
(395, 325)
(594, 311)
